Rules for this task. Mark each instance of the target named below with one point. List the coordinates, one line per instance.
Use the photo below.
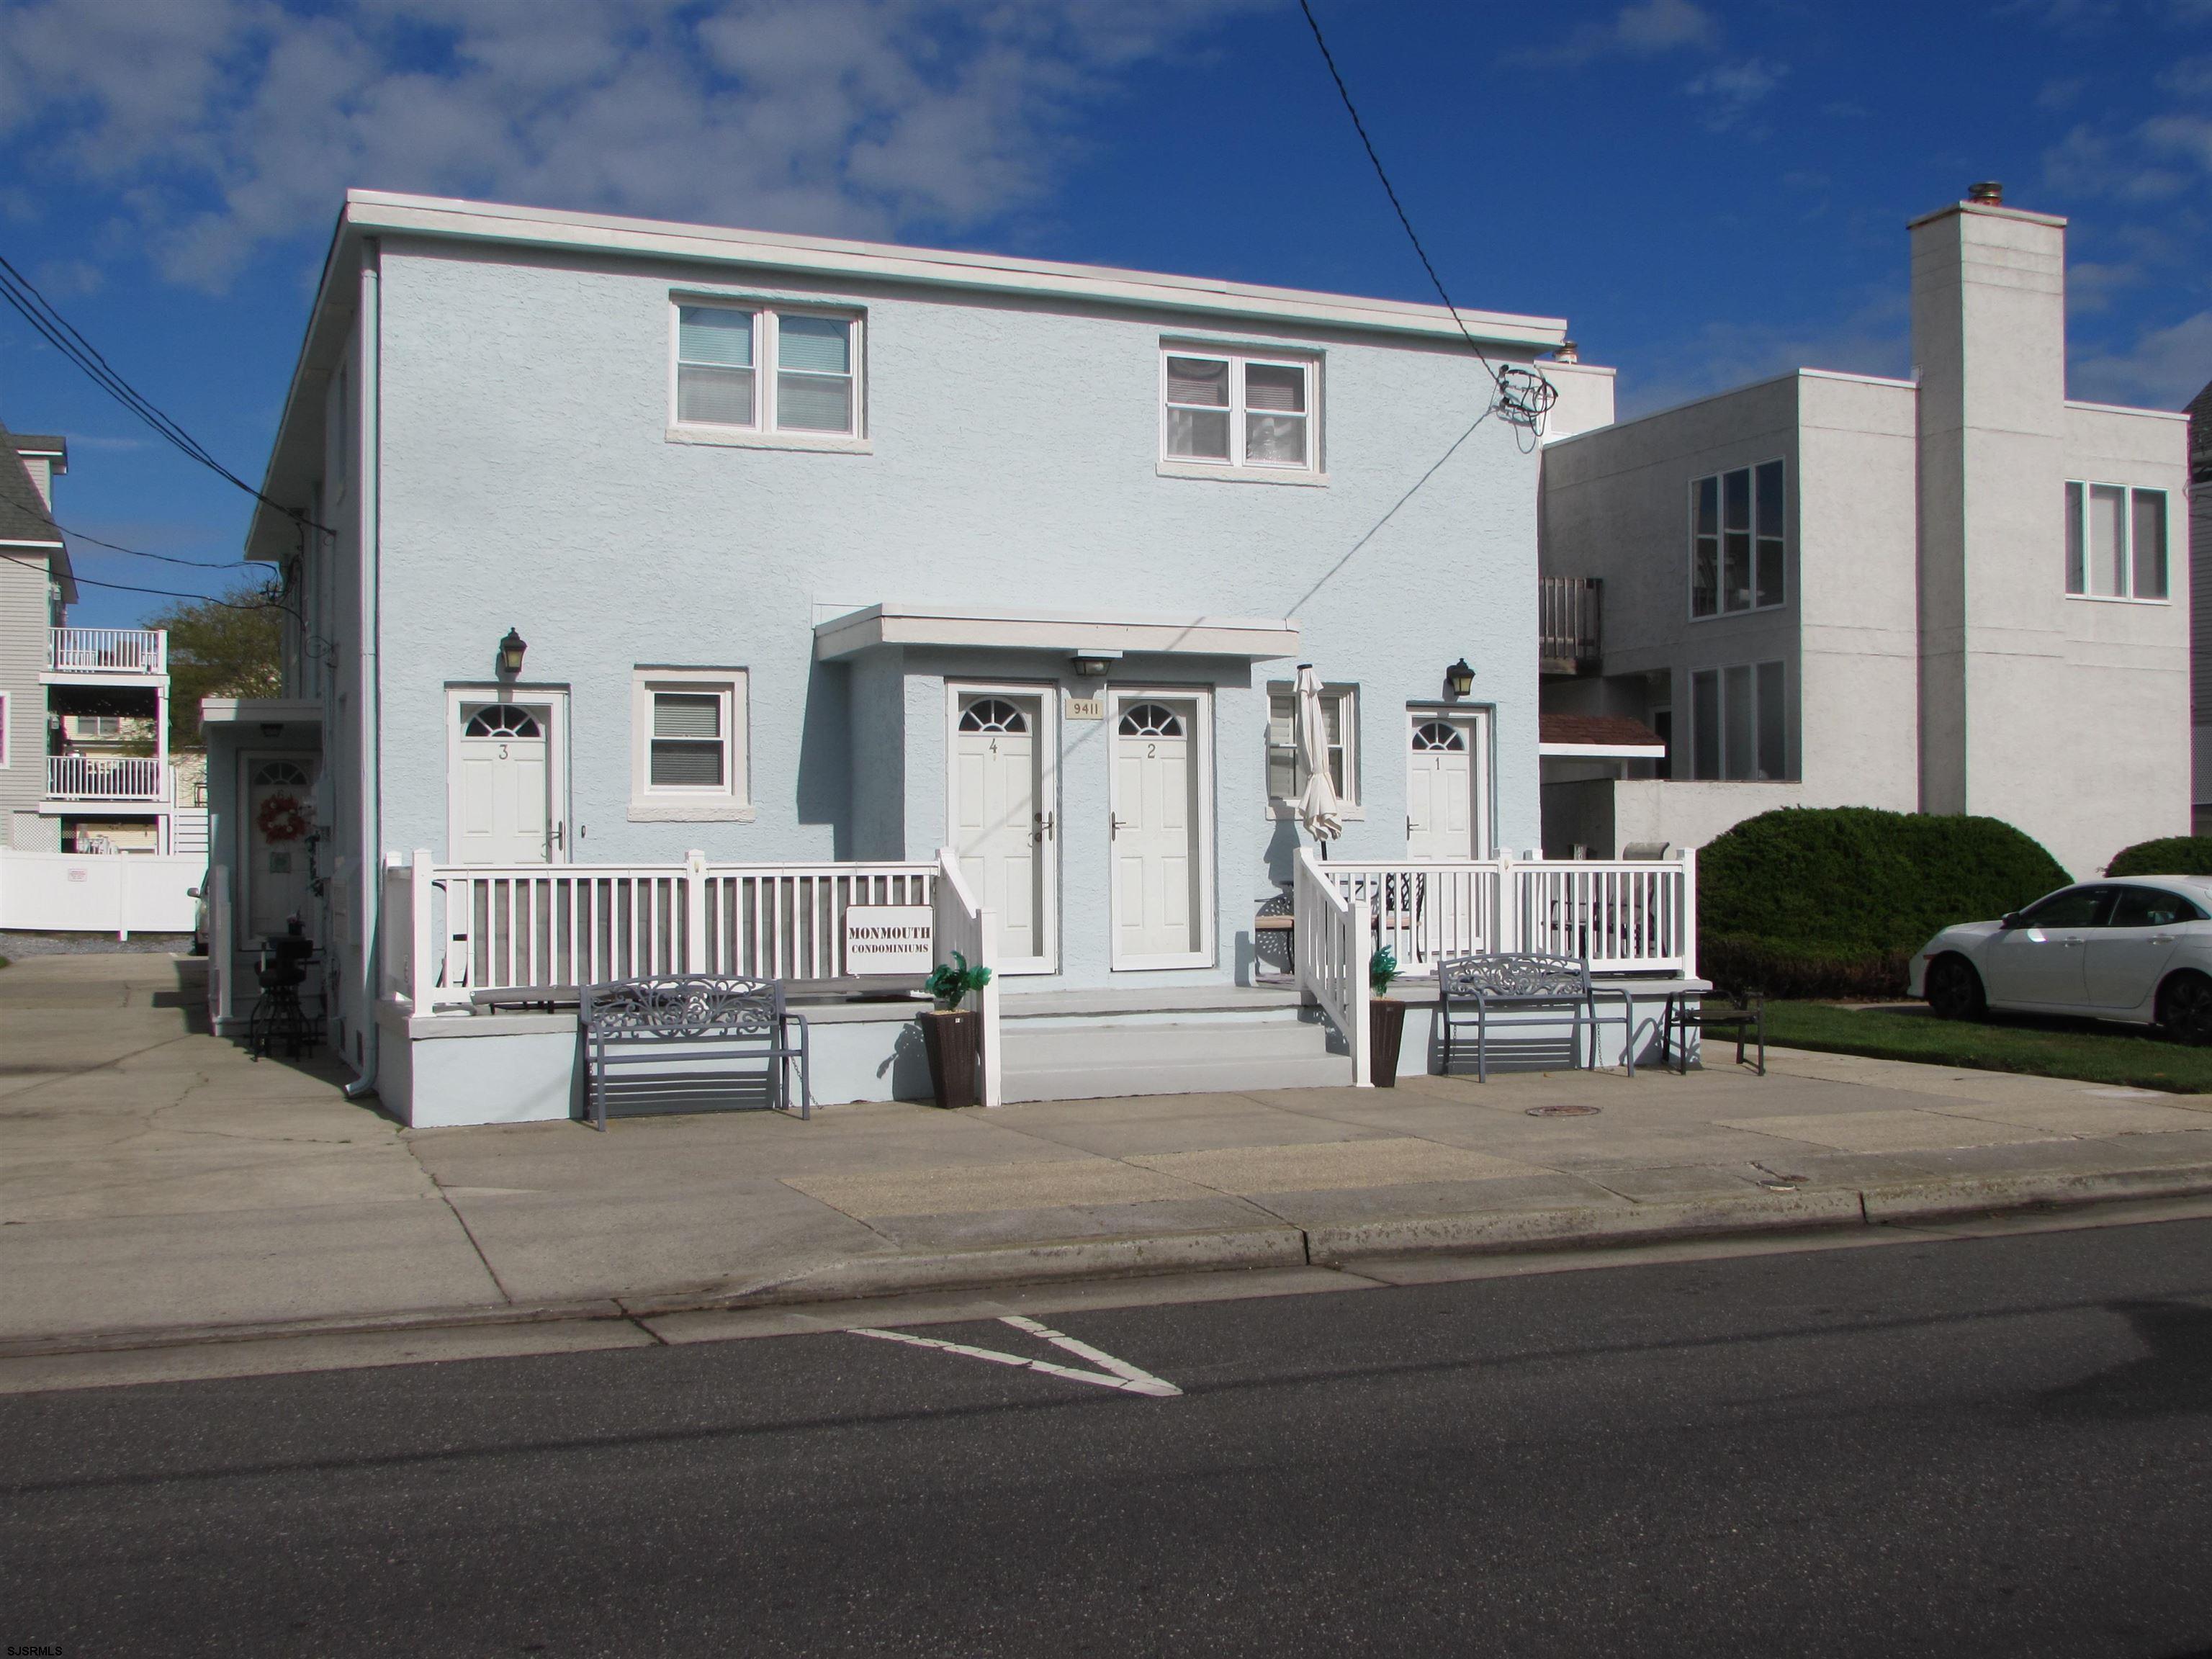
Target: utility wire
(68, 534)
(20, 292)
(1524, 396)
(172, 593)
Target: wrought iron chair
(637, 1032)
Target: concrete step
(1098, 1058)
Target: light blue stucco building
(816, 551)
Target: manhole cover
(1564, 1111)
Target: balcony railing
(107, 650)
(1567, 609)
(103, 778)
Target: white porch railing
(1330, 933)
(1624, 917)
(450, 930)
(222, 972)
(961, 923)
(107, 650)
(106, 777)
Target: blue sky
(1709, 189)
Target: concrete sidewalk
(158, 1186)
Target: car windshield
(2071, 906)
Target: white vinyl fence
(118, 893)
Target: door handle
(1043, 831)
(2161, 939)
(1120, 824)
(560, 834)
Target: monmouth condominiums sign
(889, 939)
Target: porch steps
(1074, 1046)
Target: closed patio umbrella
(1319, 809)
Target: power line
(1524, 396)
(62, 530)
(20, 292)
(172, 593)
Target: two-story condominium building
(615, 542)
(1962, 593)
(84, 711)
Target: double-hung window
(689, 744)
(1736, 541)
(1286, 771)
(2115, 541)
(766, 369)
(1238, 412)
(1739, 722)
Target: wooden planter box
(954, 1043)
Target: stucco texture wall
(527, 481)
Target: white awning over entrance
(1075, 632)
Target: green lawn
(2003, 1043)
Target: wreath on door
(283, 817)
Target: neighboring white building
(84, 711)
(1965, 593)
(849, 566)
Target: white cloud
(1644, 30)
(225, 125)
(1731, 91)
(2163, 369)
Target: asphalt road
(1989, 1447)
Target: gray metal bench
(1470, 989)
(688, 1043)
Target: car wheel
(1954, 989)
(2185, 1008)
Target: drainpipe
(367, 426)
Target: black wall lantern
(1459, 679)
(510, 654)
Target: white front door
(1003, 825)
(280, 812)
(1443, 821)
(502, 785)
(1162, 890)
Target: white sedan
(2137, 948)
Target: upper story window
(1286, 771)
(2115, 541)
(1237, 411)
(765, 369)
(1736, 541)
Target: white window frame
(1693, 749)
(732, 803)
(764, 432)
(2077, 537)
(1238, 465)
(6, 750)
(1719, 481)
(1346, 695)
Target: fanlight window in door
(280, 773)
(1432, 736)
(1151, 720)
(502, 720)
(993, 714)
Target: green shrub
(1816, 902)
(2174, 856)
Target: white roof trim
(1072, 631)
(2128, 409)
(263, 711)
(1603, 750)
(372, 212)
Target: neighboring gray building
(1958, 593)
(83, 711)
(816, 551)
(2200, 609)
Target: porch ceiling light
(510, 654)
(1459, 679)
(1094, 664)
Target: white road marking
(1113, 1373)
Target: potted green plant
(1386, 1020)
(951, 1034)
